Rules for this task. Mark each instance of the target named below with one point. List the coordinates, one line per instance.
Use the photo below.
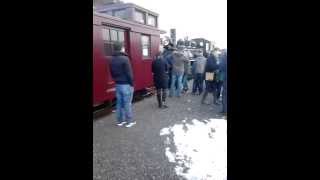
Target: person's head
(117, 46)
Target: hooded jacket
(120, 68)
(211, 64)
(160, 70)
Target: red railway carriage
(141, 43)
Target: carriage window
(114, 36)
(105, 34)
(140, 16)
(109, 36)
(119, 13)
(151, 20)
(108, 48)
(146, 48)
(121, 36)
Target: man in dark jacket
(211, 67)
(121, 73)
(219, 79)
(167, 55)
(223, 71)
(160, 70)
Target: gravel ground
(138, 153)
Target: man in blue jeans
(121, 73)
(178, 63)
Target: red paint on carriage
(107, 29)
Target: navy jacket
(121, 70)
(211, 66)
(223, 69)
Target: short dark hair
(117, 46)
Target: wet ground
(186, 141)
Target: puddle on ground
(200, 149)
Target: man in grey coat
(199, 66)
(178, 61)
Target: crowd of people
(171, 70)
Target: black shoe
(164, 107)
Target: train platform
(188, 140)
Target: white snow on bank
(201, 149)
(165, 131)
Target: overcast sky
(193, 18)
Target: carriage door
(110, 36)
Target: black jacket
(121, 70)
(211, 66)
(160, 70)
